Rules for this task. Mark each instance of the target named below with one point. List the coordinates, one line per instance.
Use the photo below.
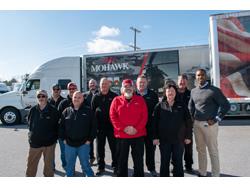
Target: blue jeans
(62, 148)
(83, 153)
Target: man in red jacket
(129, 115)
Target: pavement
(234, 139)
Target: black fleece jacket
(77, 126)
(64, 104)
(172, 124)
(151, 100)
(43, 126)
(101, 105)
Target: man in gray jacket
(207, 106)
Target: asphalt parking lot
(234, 139)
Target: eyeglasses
(72, 88)
(56, 89)
(41, 96)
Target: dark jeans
(91, 151)
(101, 141)
(123, 146)
(176, 151)
(150, 153)
(188, 155)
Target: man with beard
(129, 115)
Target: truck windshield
(32, 85)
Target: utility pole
(135, 31)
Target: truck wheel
(10, 116)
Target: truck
(3, 88)
(229, 45)
(157, 64)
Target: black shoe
(199, 175)
(100, 172)
(189, 170)
(153, 173)
(114, 171)
(91, 161)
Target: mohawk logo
(110, 67)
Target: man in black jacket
(72, 87)
(56, 97)
(78, 129)
(55, 100)
(43, 128)
(91, 92)
(87, 100)
(100, 105)
(184, 97)
(151, 100)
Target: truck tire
(10, 116)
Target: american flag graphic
(234, 55)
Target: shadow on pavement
(109, 173)
(15, 127)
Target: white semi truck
(157, 64)
(230, 58)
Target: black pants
(101, 141)
(150, 153)
(123, 146)
(91, 151)
(176, 151)
(188, 155)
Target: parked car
(3, 88)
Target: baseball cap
(56, 86)
(127, 82)
(71, 85)
(42, 92)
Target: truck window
(32, 85)
(63, 83)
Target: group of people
(134, 120)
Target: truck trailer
(157, 64)
(230, 59)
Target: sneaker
(100, 172)
(153, 173)
(91, 161)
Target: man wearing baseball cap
(72, 88)
(43, 132)
(55, 100)
(129, 115)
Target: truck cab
(15, 105)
